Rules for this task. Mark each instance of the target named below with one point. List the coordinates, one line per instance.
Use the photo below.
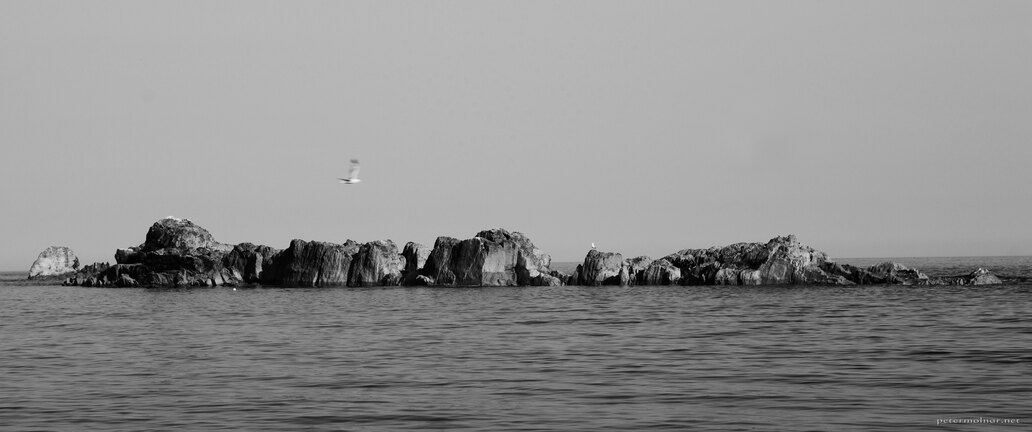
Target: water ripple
(571, 358)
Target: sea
(641, 358)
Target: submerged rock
(54, 261)
(982, 276)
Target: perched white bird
(592, 245)
(352, 174)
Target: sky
(866, 128)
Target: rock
(895, 273)
(602, 268)
(484, 262)
(789, 262)
(176, 233)
(438, 265)
(575, 276)
(54, 261)
(544, 279)
(130, 255)
(493, 257)
(727, 276)
(415, 256)
(660, 272)
(980, 276)
(246, 261)
(125, 281)
(983, 277)
(780, 261)
(376, 264)
(636, 268)
(307, 264)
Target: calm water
(571, 358)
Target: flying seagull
(352, 174)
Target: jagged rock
(789, 262)
(781, 261)
(982, 276)
(125, 281)
(415, 256)
(376, 264)
(176, 233)
(437, 266)
(312, 263)
(483, 262)
(659, 272)
(727, 276)
(636, 268)
(602, 268)
(895, 273)
(493, 257)
(246, 261)
(544, 279)
(54, 261)
(423, 281)
(130, 255)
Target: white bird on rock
(352, 174)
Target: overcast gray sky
(867, 128)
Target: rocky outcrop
(247, 261)
(54, 261)
(178, 253)
(982, 276)
(603, 268)
(495, 257)
(376, 264)
(415, 256)
(979, 276)
(781, 261)
(437, 269)
(659, 272)
(310, 264)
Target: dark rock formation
(781, 261)
(54, 261)
(376, 264)
(602, 268)
(659, 272)
(247, 261)
(178, 253)
(178, 234)
(494, 257)
(308, 264)
(437, 269)
(415, 256)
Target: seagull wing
(353, 172)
